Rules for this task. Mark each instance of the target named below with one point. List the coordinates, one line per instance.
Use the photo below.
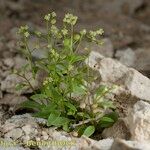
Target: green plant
(65, 96)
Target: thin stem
(48, 38)
(71, 39)
(87, 121)
(29, 57)
(79, 44)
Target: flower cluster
(94, 34)
(70, 19)
(23, 30)
(47, 80)
(83, 32)
(54, 30)
(51, 17)
(55, 54)
(64, 31)
(38, 33)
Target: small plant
(65, 99)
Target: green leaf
(82, 114)
(89, 131)
(76, 58)
(53, 93)
(80, 129)
(38, 97)
(106, 122)
(60, 121)
(100, 92)
(71, 106)
(66, 127)
(46, 111)
(55, 120)
(42, 114)
(112, 115)
(31, 104)
(79, 89)
(53, 117)
(70, 112)
(107, 104)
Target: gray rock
(12, 148)
(126, 57)
(138, 121)
(9, 84)
(120, 144)
(104, 144)
(112, 71)
(142, 62)
(137, 84)
(18, 121)
(25, 128)
(14, 134)
(12, 99)
(9, 62)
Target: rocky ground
(125, 63)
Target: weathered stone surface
(9, 84)
(14, 134)
(118, 130)
(138, 121)
(120, 144)
(142, 61)
(12, 148)
(126, 57)
(9, 62)
(27, 128)
(24, 128)
(104, 144)
(18, 121)
(138, 59)
(137, 84)
(112, 71)
(12, 99)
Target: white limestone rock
(138, 121)
(126, 57)
(120, 144)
